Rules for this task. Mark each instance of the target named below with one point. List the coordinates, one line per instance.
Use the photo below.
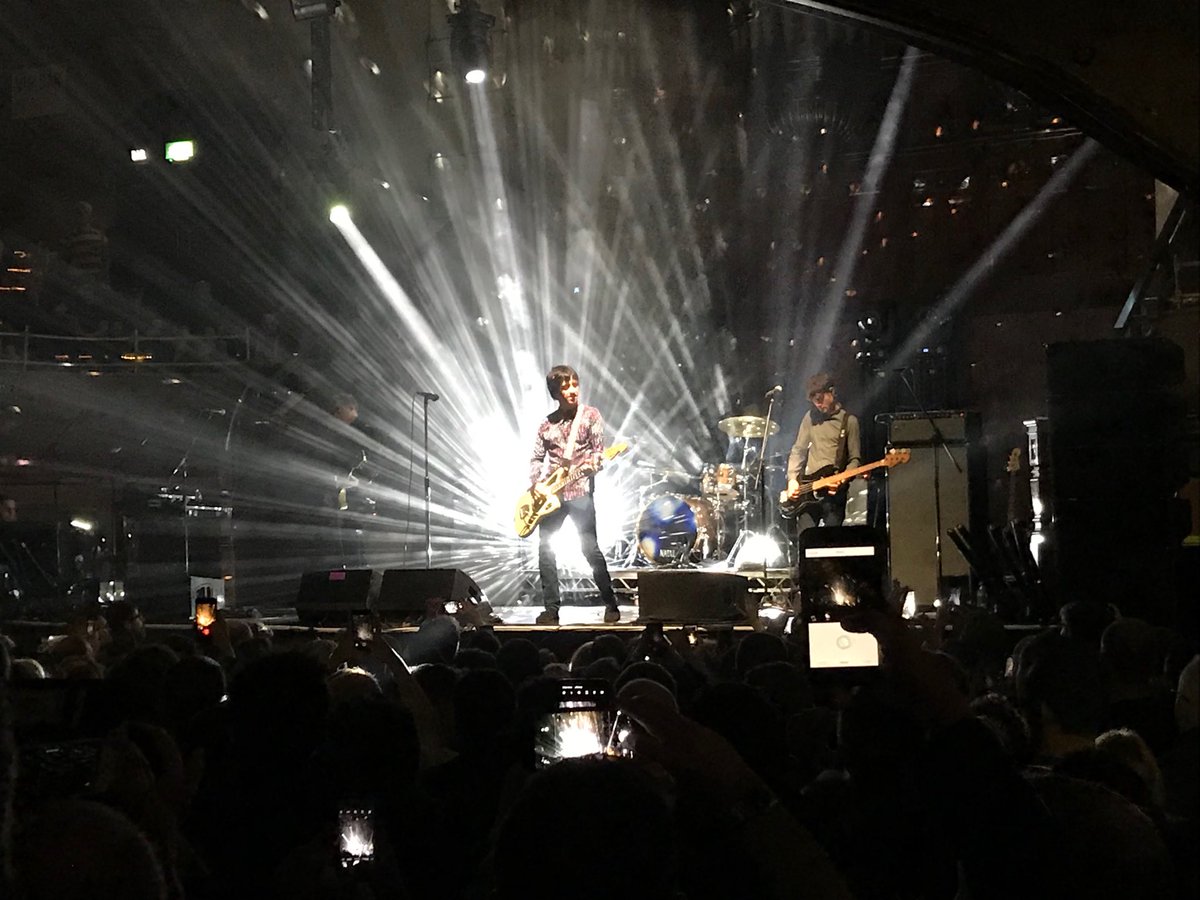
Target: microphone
(213, 412)
(427, 395)
(778, 389)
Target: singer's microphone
(778, 389)
(213, 412)
(428, 395)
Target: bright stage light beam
(410, 316)
(1020, 226)
(877, 166)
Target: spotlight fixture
(470, 40)
(179, 151)
(303, 10)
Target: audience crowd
(1062, 764)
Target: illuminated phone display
(832, 647)
(581, 725)
(356, 837)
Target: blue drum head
(667, 530)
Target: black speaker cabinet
(404, 594)
(687, 596)
(330, 597)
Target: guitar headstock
(897, 456)
(1013, 463)
(616, 449)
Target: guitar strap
(840, 459)
(569, 453)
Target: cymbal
(746, 426)
(664, 472)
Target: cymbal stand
(757, 485)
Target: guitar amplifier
(915, 429)
(940, 489)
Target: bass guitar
(535, 505)
(825, 478)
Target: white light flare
(409, 315)
(1020, 226)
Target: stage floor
(588, 617)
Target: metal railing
(132, 351)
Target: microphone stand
(425, 398)
(761, 485)
(940, 439)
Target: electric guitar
(1012, 466)
(828, 477)
(535, 505)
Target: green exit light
(179, 151)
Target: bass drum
(675, 529)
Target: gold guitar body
(535, 505)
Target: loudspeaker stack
(1118, 456)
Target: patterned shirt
(552, 436)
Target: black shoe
(612, 615)
(547, 617)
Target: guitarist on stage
(574, 435)
(828, 437)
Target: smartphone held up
(206, 614)
(841, 572)
(581, 725)
(356, 837)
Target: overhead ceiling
(1125, 73)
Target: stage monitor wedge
(330, 597)
(404, 594)
(691, 597)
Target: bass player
(571, 435)
(828, 439)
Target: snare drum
(673, 529)
(720, 479)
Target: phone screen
(356, 837)
(830, 646)
(841, 571)
(361, 626)
(206, 614)
(580, 726)
(619, 743)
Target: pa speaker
(330, 597)
(688, 596)
(406, 594)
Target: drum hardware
(748, 426)
(662, 473)
(720, 480)
(752, 540)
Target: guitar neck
(575, 475)
(586, 469)
(850, 473)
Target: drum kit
(681, 528)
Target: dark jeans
(582, 512)
(829, 510)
